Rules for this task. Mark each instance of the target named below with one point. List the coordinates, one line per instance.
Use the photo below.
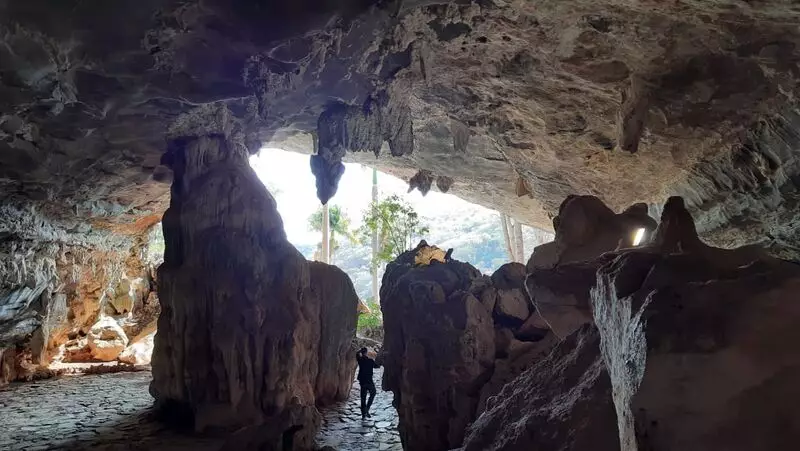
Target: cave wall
(57, 279)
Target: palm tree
(338, 223)
(374, 239)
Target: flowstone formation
(247, 326)
(453, 338)
(682, 357)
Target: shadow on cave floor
(96, 412)
(343, 428)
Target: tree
(397, 226)
(374, 265)
(339, 224)
(512, 235)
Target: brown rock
(672, 323)
(239, 335)
(437, 354)
(561, 295)
(512, 307)
(338, 304)
(517, 357)
(561, 403)
(587, 228)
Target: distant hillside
(475, 236)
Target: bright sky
(289, 174)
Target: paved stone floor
(93, 412)
(113, 412)
(344, 430)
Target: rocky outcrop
(675, 316)
(670, 318)
(585, 230)
(450, 342)
(241, 340)
(562, 402)
(57, 278)
(338, 300)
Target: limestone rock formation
(450, 342)
(491, 95)
(106, 340)
(241, 340)
(674, 318)
(670, 318)
(585, 228)
(338, 300)
(562, 402)
(439, 349)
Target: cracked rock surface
(513, 104)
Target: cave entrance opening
(375, 215)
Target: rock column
(240, 333)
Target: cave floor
(92, 412)
(344, 430)
(113, 412)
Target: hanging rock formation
(241, 338)
(452, 340)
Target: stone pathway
(98, 412)
(113, 412)
(344, 430)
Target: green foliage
(371, 320)
(339, 225)
(397, 224)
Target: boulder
(106, 340)
(561, 295)
(561, 403)
(512, 307)
(139, 352)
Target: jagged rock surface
(239, 314)
(450, 343)
(671, 317)
(560, 403)
(338, 300)
(585, 230)
(490, 96)
(57, 278)
(674, 318)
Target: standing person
(365, 366)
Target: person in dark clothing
(365, 367)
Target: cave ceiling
(517, 103)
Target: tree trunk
(504, 223)
(375, 239)
(519, 243)
(326, 226)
